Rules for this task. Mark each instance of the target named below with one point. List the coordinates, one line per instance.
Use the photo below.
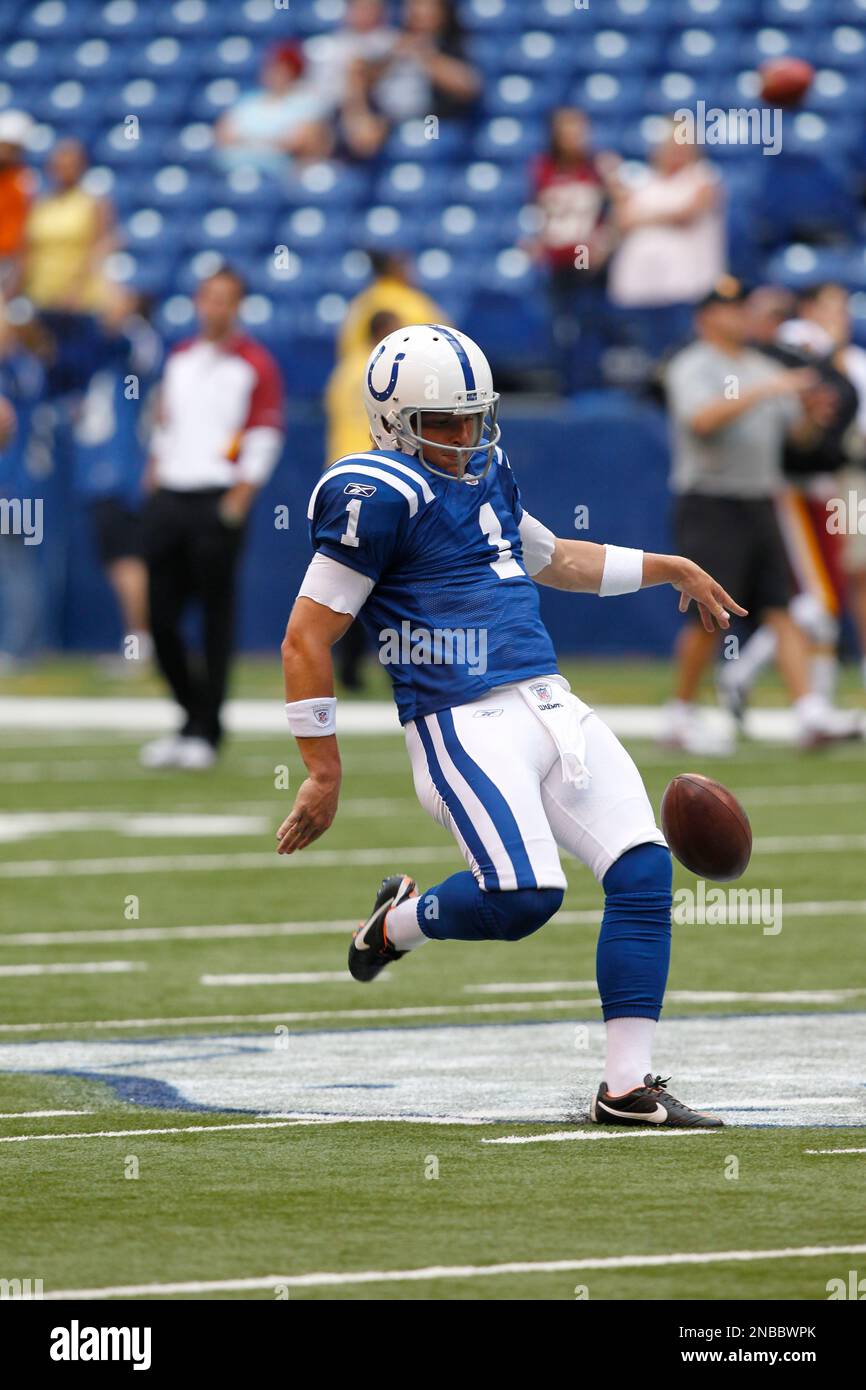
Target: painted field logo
(20, 1288)
(719, 907)
(77, 1343)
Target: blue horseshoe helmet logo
(392, 380)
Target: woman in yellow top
(68, 236)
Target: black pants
(192, 555)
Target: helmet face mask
(485, 435)
(417, 379)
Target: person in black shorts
(732, 411)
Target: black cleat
(371, 950)
(649, 1104)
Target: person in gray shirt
(731, 412)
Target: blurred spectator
(110, 456)
(391, 291)
(68, 236)
(349, 433)
(283, 120)
(16, 191)
(216, 442)
(732, 411)
(672, 244)
(21, 580)
(364, 37)
(574, 243)
(811, 469)
(423, 74)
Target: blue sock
(634, 945)
(457, 910)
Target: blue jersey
(453, 612)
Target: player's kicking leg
(371, 948)
(610, 826)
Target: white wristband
(623, 571)
(313, 718)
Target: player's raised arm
(584, 567)
(311, 710)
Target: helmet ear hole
(385, 424)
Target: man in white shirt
(218, 436)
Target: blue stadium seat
(234, 236)
(799, 265)
(412, 141)
(216, 97)
(846, 11)
(95, 59)
(507, 138)
(349, 274)
(843, 47)
(70, 103)
(188, 19)
(326, 184)
(794, 14)
(119, 19)
(439, 271)
(618, 50)
(540, 53)
(163, 56)
(411, 184)
(518, 94)
(151, 271)
(386, 226)
(833, 91)
(312, 227)
(712, 14)
(494, 17)
(701, 50)
(606, 93)
(174, 186)
(485, 183)
(563, 16)
(246, 189)
(116, 147)
(166, 100)
(803, 196)
(25, 60)
(51, 19)
(263, 21)
(645, 16)
(460, 227)
(233, 56)
(192, 145)
(768, 43)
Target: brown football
(785, 81)
(706, 827)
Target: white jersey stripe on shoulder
(378, 473)
(426, 490)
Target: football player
(425, 537)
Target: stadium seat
(173, 186)
(411, 184)
(147, 97)
(604, 94)
(326, 184)
(234, 236)
(617, 50)
(507, 138)
(419, 141)
(484, 183)
(517, 94)
(119, 19)
(843, 47)
(711, 14)
(95, 58)
(233, 56)
(25, 60)
(312, 227)
(702, 50)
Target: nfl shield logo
(542, 692)
(321, 716)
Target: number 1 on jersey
(350, 535)
(505, 566)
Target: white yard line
(347, 1015)
(431, 1272)
(296, 1121)
(834, 1151)
(305, 977)
(91, 967)
(560, 1135)
(330, 858)
(213, 932)
(208, 863)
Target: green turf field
(164, 888)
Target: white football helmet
(428, 367)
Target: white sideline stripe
(304, 977)
(41, 1114)
(577, 917)
(402, 1276)
(684, 996)
(834, 1151)
(559, 1135)
(328, 858)
(415, 1011)
(91, 967)
(183, 863)
(292, 1121)
(211, 933)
